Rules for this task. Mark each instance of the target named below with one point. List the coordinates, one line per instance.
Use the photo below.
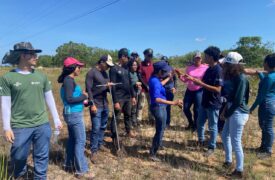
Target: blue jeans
(99, 124)
(266, 113)
(169, 97)
(160, 115)
(75, 157)
(39, 137)
(212, 115)
(232, 137)
(192, 98)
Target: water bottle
(56, 133)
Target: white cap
(232, 58)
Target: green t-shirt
(28, 107)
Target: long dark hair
(131, 62)
(65, 72)
(232, 70)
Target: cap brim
(109, 63)
(80, 64)
(27, 50)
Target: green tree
(82, 52)
(45, 61)
(253, 50)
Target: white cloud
(272, 3)
(199, 39)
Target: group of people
(218, 90)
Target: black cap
(134, 54)
(124, 52)
(148, 51)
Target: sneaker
(154, 158)
(236, 174)
(93, 157)
(200, 144)
(227, 165)
(264, 155)
(209, 152)
(161, 148)
(104, 148)
(88, 176)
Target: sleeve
(6, 112)
(52, 107)
(113, 79)
(143, 84)
(47, 84)
(264, 87)
(132, 87)
(218, 79)
(89, 85)
(68, 92)
(261, 75)
(5, 89)
(239, 94)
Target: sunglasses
(31, 54)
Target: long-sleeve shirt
(96, 94)
(239, 95)
(266, 89)
(123, 91)
(72, 96)
(196, 72)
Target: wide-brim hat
(25, 47)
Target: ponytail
(65, 72)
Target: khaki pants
(141, 103)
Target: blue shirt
(75, 107)
(266, 89)
(156, 90)
(213, 77)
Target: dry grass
(181, 158)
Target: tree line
(252, 48)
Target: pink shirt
(196, 72)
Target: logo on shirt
(35, 83)
(17, 84)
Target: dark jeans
(39, 138)
(169, 97)
(266, 113)
(192, 98)
(126, 110)
(134, 109)
(160, 114)
(75, 157)
(99, 124)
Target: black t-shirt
(213, 77)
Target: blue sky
(170, 27)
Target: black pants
(126, 110)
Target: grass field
(181, 159)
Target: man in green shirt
(24, 94)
